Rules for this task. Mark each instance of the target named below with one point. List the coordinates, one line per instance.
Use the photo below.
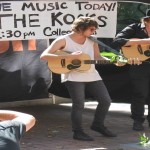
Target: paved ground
(53, 130)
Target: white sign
(23, 20)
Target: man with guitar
(78, 45)
(134, 40)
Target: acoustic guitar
(65, 64)
(137, 51)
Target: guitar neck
(97, 62)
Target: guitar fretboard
(97, 62)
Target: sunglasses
(92, 29)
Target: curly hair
(82, 23)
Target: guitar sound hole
(147, 53)
(76, 62)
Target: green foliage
(113, 57)
(144, 140)
(130, 13)
(108, 54)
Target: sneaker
(138, 126)
(104, 131)
(80, 135)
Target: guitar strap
(104, 45)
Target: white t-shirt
(81, 76)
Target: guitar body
(137, 51)
(65, 64)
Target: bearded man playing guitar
(77, 43)
(134, 40)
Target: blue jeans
(98, 91)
